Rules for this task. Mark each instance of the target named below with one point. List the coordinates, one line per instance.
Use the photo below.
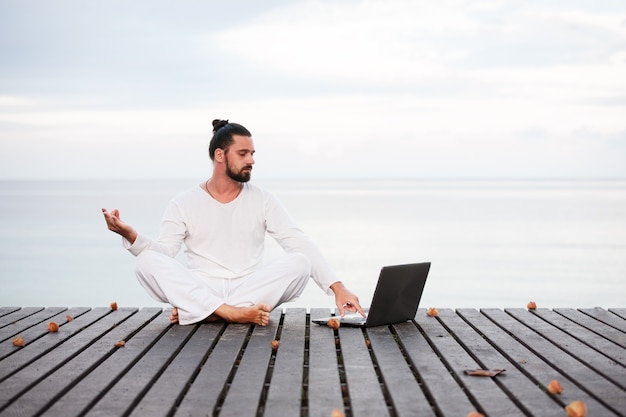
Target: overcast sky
(329, 89)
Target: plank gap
(563, 347)
(381, 380)
(270, 369)
(33, 311)
(429, 396)
(87, 371)
(231, 375)
(513, 361)
(160, 372)
(343, 380)
(546, 360)
(482, 365)
(304, 401)
(194, 375)
(61, 364)
(583, 341)
(450, 369)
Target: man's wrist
(336, 286)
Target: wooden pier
(409, 369)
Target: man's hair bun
(218, 124)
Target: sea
(491, 243)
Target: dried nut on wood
(275, 344)
(475, 414)
(121, 343)
(576, 409)
(333, 324)
(19, 341)
(555, 387)
(114, 306)
(337, 413)
(531, 305)
(53, 327)
(432, 312)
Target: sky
(329, 89)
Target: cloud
(385, 42)
(362, 88)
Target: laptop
(396, 297)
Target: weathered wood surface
(408, 369)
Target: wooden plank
(35, 332)
(161, 398)
(82, 395)
(594, 384)
(39, 347)
(11, 330)
(35, 366)
(593, 339)
(246, 389)
(531, 364)
(17, 315)
(485, 394)
(204, 394)
(406, 394)
(606, 317)
(46, 391)
(600, 328)
(366, 396)
(286, 390)
(591, 357)
(435, 379)
(324, 383)
(4, 310)
(620, 312)
(123, 396)
(526, 393)
(413, 368)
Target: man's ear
(219, 155)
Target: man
(222, 223)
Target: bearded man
(222, 224)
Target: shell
(121, 343)
(337, 413)
(531, 305)
(432, 312)
(555, 387)
(53, 327)
(114, 306)
(19, 341)
(576, 409)
(333, 324)
(275, 344)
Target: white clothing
(197, 297)
(224, 244)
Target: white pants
(197, 297)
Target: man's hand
(345, 300)
(115, 224)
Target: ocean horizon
(492, 243)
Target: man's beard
(241, 176)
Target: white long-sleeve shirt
(227, 240)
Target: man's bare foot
(257, 314)
(174, 315)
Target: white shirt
(227, 240)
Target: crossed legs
(245, 300)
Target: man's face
(239, 158)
